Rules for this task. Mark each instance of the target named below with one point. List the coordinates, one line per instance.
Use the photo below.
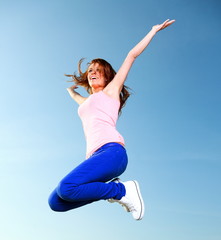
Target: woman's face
(96, 77)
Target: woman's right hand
(75, 95)
(73, 87)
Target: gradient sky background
(171, 123)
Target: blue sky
(171, 123)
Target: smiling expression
(96, 77)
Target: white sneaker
(132, 201)
(112, 200)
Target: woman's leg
(59, 205)
(87, 182)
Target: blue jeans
(89, 181)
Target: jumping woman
(96, 178)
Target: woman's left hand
(159, 27)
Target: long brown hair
(109, 74)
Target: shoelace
(129, 206)
(111, 200)
(125, 207)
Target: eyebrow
(94, 68)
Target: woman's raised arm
(75, 95)
(115, 86)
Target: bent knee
(54, 205)
(55, 202)
(66, 191)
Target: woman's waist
(103, 135)
(105, 146)
(93, 147)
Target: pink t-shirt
(99, 114)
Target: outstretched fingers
(167, 23)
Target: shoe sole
(140, 199)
